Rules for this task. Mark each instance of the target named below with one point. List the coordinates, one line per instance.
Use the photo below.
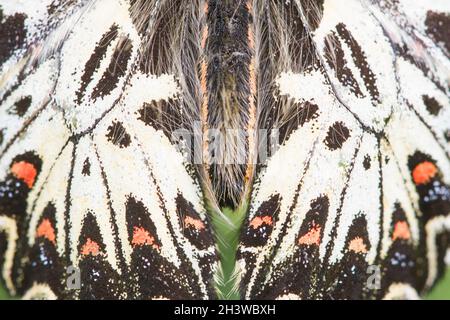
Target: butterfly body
(122, 123)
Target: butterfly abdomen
(229, 107)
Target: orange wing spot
(401, 231)
(424, 172)
(259, 221)
(46, 230)
(24, 171)
(312, 237)
(196, 223)
(249, 5)
(142, 237)
(90, 248)
(357, 245)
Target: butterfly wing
(90, 87)
(96, 200)
(354, 203)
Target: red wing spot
(46, 230)
(90, 248)
(195, 223)
(424, 172)
(259, 221)
(142, 237)
(24, 171)
(401, 231)
(357, 245)
(311, 237)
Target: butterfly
(126, 125)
